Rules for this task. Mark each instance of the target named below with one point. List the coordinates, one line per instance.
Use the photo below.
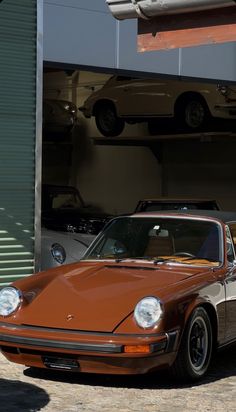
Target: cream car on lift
(131, 100)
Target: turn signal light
(137, 349)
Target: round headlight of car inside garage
(10, 300)
(58, 253)
(148, 312)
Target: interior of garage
(111, 174)
(115, 173)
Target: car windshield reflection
(159, 240)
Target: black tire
(195, 350)
(107, 121)
(192, 113)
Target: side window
(230, 245)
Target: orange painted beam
(187, 30)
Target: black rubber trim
(130, 267)
(167, 345)
(171, 343)
(105, 348)
(12, 326)
(157, 347)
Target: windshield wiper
(150, 259)
(117, 260)
(198, 258)
(161, 260)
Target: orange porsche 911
(154, 290)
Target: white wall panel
(166, 62)
(215, 61)
(84, 32)
(79, 32)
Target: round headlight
(58, 253)
(148, 312)
(10, 300)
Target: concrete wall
(82, 32)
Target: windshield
(66, 201)
(159, 239)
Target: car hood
(97, 297)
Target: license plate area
(53, 362)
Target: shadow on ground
(16, 396)
(223, 366)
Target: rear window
(150, 206)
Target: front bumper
(85, 351)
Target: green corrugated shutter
(18, 61)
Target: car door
(144, 97)
(230, 284)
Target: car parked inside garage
(69, 225)
(61, 248)
(66, 234)
(131, 100)
(59, 118)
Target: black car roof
(57, 188)
(225, 217)
(177, 200)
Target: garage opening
(113, 140)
